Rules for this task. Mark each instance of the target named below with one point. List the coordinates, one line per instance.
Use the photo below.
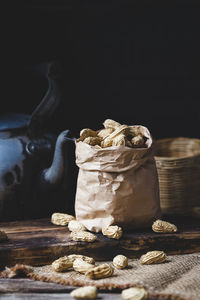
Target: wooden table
(38, 242)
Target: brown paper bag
(116, 185)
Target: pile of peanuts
(113, 134)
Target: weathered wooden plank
(23, 285)
(38, 242)
(54, 296)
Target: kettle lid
(13, 121)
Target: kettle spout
(54, 174)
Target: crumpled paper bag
(117, 185)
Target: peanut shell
(87, 132)
(153, 257)
(76, 226)
(113, 232)
(119, 140)
(134, 131)
(83, 236)
(107, 142)
(101, 271)
(103, 133)
(163, 226)
(86, 292)
(134, 293)
(138, 141)
(61, 264)
(120, 261)
(81, 266)
(88, 259)
(108, 123)
(61, 219)
(93, 141)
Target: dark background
(137, 62)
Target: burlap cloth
(178, 278)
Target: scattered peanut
(134, 294)
(3, 236)
(163, 226)
(65, 262)
(86, 292)
(113, 232)
(83, 236)
(61, 219)
(82, 266)
(120, 261)
(76, 226)
(88, 259)
(153, 257)
(101, 271)
(61, 264)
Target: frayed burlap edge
(24, 271)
